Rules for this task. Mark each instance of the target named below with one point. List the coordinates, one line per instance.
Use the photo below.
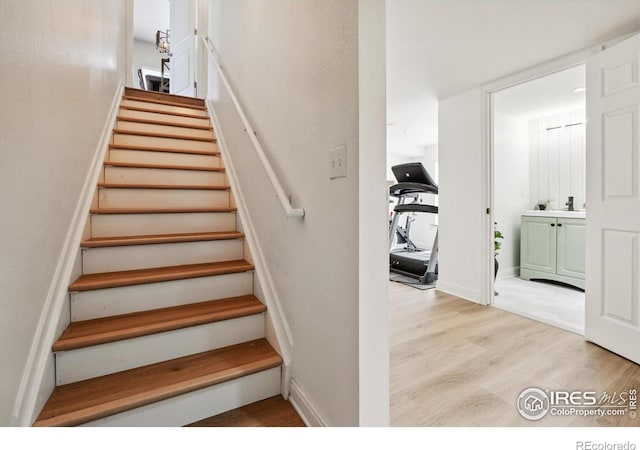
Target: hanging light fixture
(162, 41)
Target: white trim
(24, 411)
(271, 297)
(305, 408)
(131, 77)
(488, 177)
(458, 291)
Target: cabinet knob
(559, 224)
(553, 224)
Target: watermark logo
(533, 404)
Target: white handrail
(284, 199)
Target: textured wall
(294, 66)
(61, 64)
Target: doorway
(163, 47)
(539, 191)
(151, 28)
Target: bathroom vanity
(552, 246)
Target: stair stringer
(277, 329)
(38, 379)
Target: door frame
(487, 151)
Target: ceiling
(150, 16)
(436, 48)
(552, 94)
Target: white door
(613, 199)
(183, 48)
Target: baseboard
(33, 379)
(276, 313)
(512, 272)
(303, 405)
(458, 291)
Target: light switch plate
(338, 162)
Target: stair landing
(271, 412)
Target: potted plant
(497, 245)
(543, 204)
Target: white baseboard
(30, 394)
(458, 291)
(305, 408)
(511, 272)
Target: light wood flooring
(272, 412)
(455, 363)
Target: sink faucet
(569, 204)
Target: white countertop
(556, 213)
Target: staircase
(165, 329)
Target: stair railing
(275, 182)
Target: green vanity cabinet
(553, 248)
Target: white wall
(557, 155)
(511, 185)
(59, 79)
(294, 66)
(373, 267)
(460, 230)
(145, 55)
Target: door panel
(571, 247)
(539, 244)
(613, 204)
(183, 47)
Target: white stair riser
(131, 257)
(176, 159)
(162, 198)
(128, 299)
(163, 129)
(161, 142)
(179, 120)
(163, 176)
(198, 405)
(157, 107)
(90, 362)
(104, 225)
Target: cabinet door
(538, 244)
(571, 247)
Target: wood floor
(272, 412)
(455, 363)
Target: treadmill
(409, 260)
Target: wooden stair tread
(168, 113)
(88, 400)
(162, 166)
(126, 326)
(133, 92)
(164, 102)
(160, 210)
(157, 274)
(165, 150)
(164, 123)
(160, 239)
(164, 135)
(193, 187)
